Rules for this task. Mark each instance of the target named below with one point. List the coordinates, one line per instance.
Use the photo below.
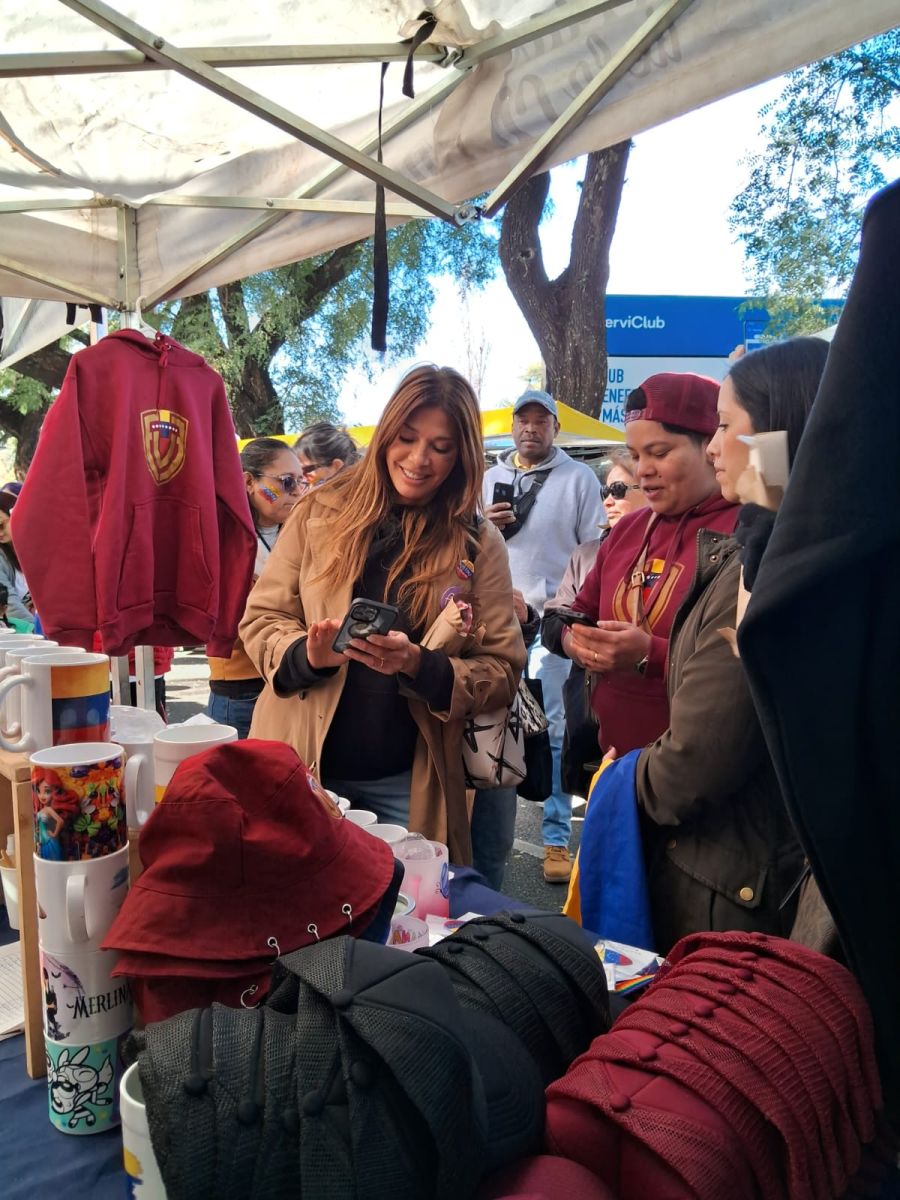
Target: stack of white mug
(81, 879)
(54, 706)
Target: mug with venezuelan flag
(64, 698)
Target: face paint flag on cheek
(272, 494)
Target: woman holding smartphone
(382, 721)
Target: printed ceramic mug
(12, 658)
(173, 745)
(83, 1085)
(18, 641)
(79, 804)
(83, 1003)
(78, 901)
(64, 698)
(141, 1166)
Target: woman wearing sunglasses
(274, 482)
(381, 722)
(621, 492)
(323, 450)
(621, 495)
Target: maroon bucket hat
(246, 856)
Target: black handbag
(538, 782)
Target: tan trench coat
(486, 662)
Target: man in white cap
(550, 505)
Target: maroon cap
(680, 399)
(248, 855)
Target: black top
(373, 734)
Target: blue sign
(678, 326)
(683, 326)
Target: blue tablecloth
(38, 1161)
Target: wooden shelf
(17, 816)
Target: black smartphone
(364, 618)
(569, 616)
(503, 493)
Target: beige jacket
(486, 662)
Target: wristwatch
(641, 667)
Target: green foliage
(306, 339)
(832, 138)
(318, 353)
(22, 393)
(284, 340)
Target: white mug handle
(135, 765)
(25, 742)
(76, 917)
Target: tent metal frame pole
(109, 62)
(409, 116)
(77, 291)
(641, 40)
(10, 331)
(538, 27)
(14, 206)
(174, 200)
(127, 258)
(251, 101)
(94, 62)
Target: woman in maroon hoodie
(645, 568)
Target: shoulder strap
(525, 500)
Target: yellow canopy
(497, 422)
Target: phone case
(364, 617)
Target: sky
(672, 238)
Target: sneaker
(557, 864)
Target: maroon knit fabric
(746, 1069)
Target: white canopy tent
(142, 163)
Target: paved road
(187, 692)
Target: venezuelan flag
(80, 703)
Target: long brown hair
(435, 535)
(7, 503)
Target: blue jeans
(551, 670)
(388, 798)
(228, 710)
(493, 833)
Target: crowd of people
(617, 596)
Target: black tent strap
(421, 35)
(381, 284)
(95, 310)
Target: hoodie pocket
(165, 559)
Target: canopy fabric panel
(29, 325)
(124, 183)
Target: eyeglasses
(289, 483)
(617, 490)
(311, 467)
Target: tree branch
(522, 258)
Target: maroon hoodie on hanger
(633, 709)
(134, 518)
